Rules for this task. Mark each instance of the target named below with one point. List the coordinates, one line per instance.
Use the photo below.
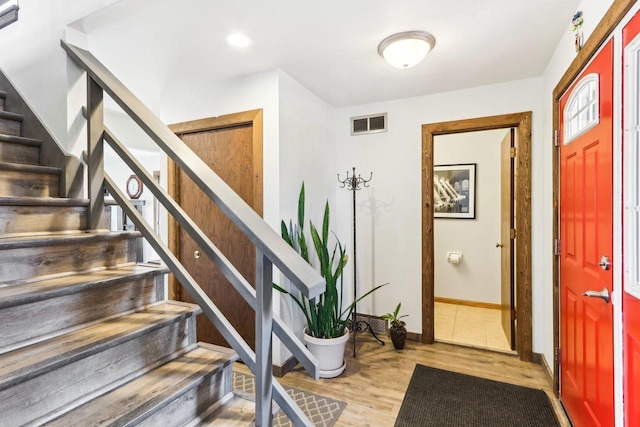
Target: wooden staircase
(86, 335)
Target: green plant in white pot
(326, 318)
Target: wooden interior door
(631, 237)
(586, 235)
(507, 249)
(231, 147)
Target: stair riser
(36, 219)
(61, 314)
(29, 184)
(40, 397)
(1, 104)
(23, 264)
(192, 403)
(19, 153)
(10, 127)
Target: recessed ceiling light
(238, 40)
(404, 50)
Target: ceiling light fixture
(238, 40)
(404, 50)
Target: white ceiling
(329, 46)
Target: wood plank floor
(374, 383)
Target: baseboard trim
(279, 371)
(468, 303)
(547, 369)
(414, 336)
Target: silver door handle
(604, 294)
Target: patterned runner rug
(321, 410)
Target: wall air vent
(369, 124)
(377, 323)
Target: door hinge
(512, 152)
(556, 247)
(556, 138)
(557, 354)
(514, 315)
(512, 233)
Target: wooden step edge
(42, 201)
(101, 342)
(66, 331)
(233, 411)
(13, 139)
(65, 409)
(61, 274)
(19, 167)
(60, 286)
(7, 115)
(177, 377)
(65, 237)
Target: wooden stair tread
(50, 288)
(42, 201)
(13, 139)
(151, 391)
(235, 412)
(58, 238)
(19, 167)
(31, 361)
(11, 116)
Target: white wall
(389, 211)
(35, 62)
(189, 99)
(477, 277)
(307, 153)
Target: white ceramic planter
(329, 352)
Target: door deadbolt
(196, 254)
(604, 263)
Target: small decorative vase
(329, 352)
(398, 334)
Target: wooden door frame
(251, 117)
(600, 35)
(522, 123)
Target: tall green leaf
(324, 315)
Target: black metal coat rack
(354, 183)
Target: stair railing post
(264, 327)
(95, 155)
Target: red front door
(586, 236)
(630, 302)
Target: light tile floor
(473, 326)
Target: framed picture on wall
(454, 191)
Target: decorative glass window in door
(581, 112)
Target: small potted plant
(397, 331)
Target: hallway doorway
(472, 291)
(521, 122)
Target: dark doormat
(443, 398)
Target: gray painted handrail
(282, 398)
(288, 261)
(282, 331)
